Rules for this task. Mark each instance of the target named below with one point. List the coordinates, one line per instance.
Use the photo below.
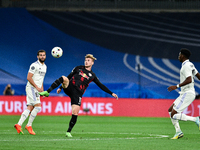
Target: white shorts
(183, 101)
(32, 96)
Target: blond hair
(90, 56)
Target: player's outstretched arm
(115, 95)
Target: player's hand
(171, 88)
(39, 89)
(58, 90)
(115, 95)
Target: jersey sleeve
(189, 70)
(101, 86)
(194, 71)
(32, 68)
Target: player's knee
(75, 110)
(38, 109)
(30, 107)
(65, 81)
(75, 113)
(172, 114)
(170, 108)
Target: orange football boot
(19, 129)
(30, 130)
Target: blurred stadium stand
(121, 40)
(105, 4)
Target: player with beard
(75, 84)
(34, 85)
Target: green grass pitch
(98, 133)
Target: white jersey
(187, 69)
(38, 70)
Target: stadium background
(136, 43)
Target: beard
(42, 60)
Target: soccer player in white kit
(34, 85)
(187, 94)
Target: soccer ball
(57, 52)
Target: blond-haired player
(75, 84)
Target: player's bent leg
(183, 117)
(65, 82)
(170, 108)
(54, 85)
(175, 124)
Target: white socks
(31, 118)
(180, 116)
(24, 115)
(183, 117)
(33, 115)
(175, 123)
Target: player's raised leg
(64, 80)
(184, 117)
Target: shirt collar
(39, 63)
(187, 60)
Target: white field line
(145, 136)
